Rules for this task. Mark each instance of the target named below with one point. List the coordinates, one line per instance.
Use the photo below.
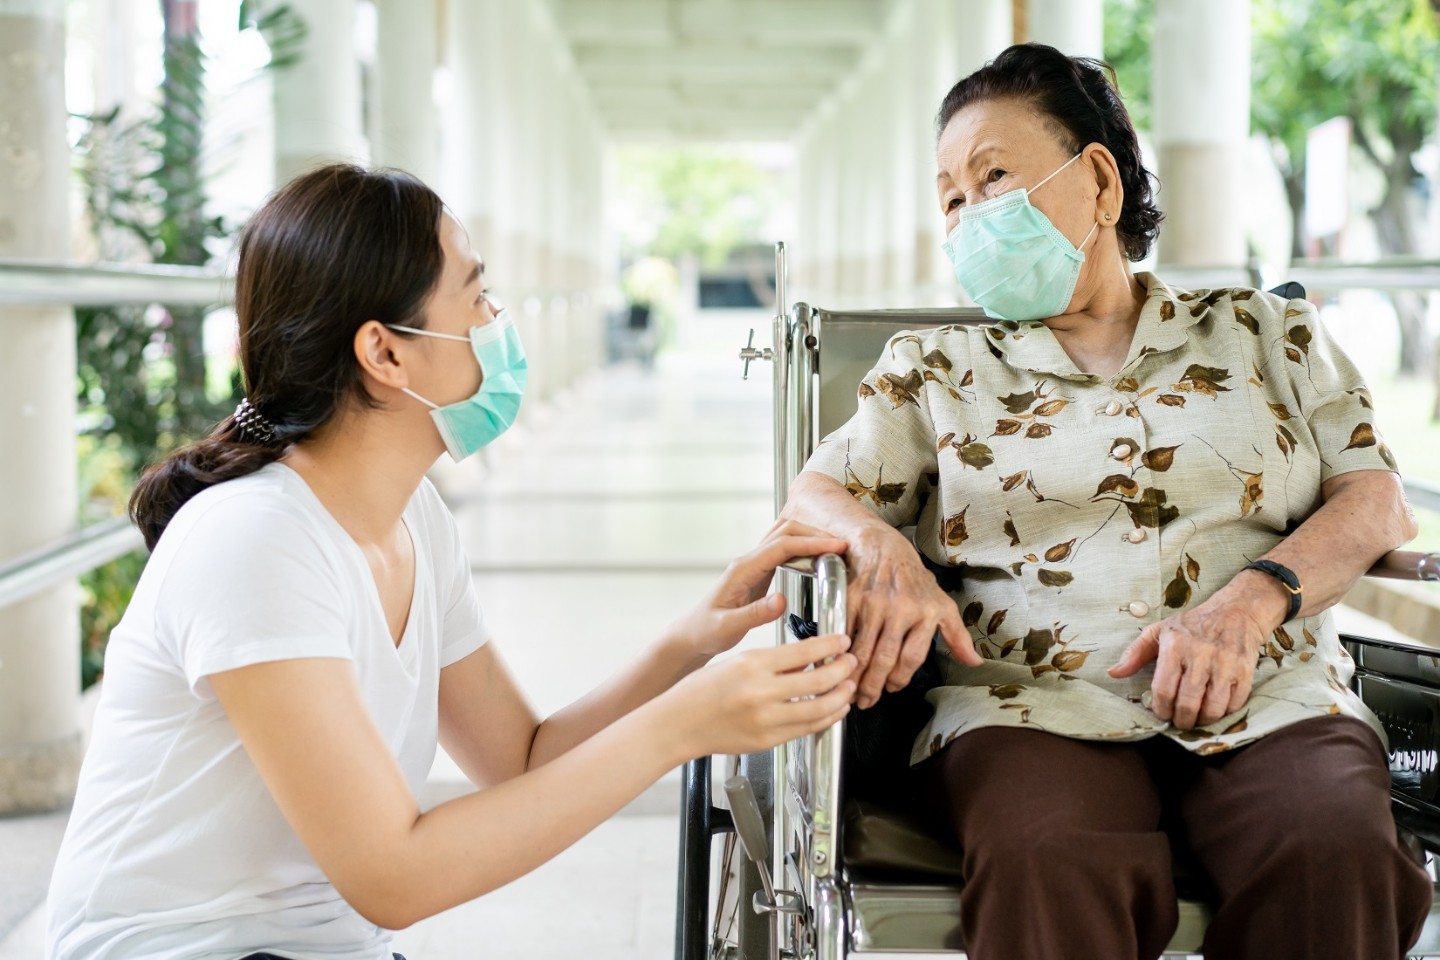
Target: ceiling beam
(795, 23)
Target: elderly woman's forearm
(821, 502)
(1364, 516)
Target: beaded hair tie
(253, 425)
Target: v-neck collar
(377, 606)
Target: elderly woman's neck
(1097, 336)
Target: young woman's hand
(739, 604)
(761, 698)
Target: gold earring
(1107, 216)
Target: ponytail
(228, 453)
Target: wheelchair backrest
(849, 343)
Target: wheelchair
(807, 868)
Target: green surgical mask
(470, 424)
(1012, 260)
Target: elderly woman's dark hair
(1077, 98)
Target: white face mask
(1012, 260)
(472, 423)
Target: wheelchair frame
(820, 912)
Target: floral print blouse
(1071, 510)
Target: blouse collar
(1165, 321)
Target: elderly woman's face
(995, 146)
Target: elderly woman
(1148, 499)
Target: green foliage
(106, 475)
(142, 379)
(692, 201)
(282, 26)
(1127, 49)
(1373, 61)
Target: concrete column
(39, 637)
(1202, 121)
(408, 52)
(871, 186)
(827, 172)
(980, 30)
(1074, 27)
(472, 132)
(317, 98)
(904, 111)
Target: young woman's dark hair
(332, 249)
(1078, 99)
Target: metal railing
(1316, 276)
(29, 283)
(32, 283)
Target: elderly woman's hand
(1205, 657)
(894, 608)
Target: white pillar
(473, 130)
(1074, 27)
(980, 31)
(317, 98)
(1202, 122)
(827, 171)
(408, 135)
(905, 112)
(39, 637)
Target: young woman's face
(458, 303)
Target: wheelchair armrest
(1407, 565)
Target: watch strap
(1286, 576)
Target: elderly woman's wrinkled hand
(1204, 658)
(894, 608)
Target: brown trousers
(1067, 845)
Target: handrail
(67, 558)
(1329, 275)
(51, 283)
(1421, 493)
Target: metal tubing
(66, 559)
(1406, 565)
(1327, 275)
(830, 934)
(830, 743)
(699, 821)
(34, 282)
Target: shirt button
(1137, 608)
(1122, 451)
(1136, 536)
(1112, 408)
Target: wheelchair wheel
(715, 921)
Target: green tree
(1371, 61)
(1127, 49)
(691, 201)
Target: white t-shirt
(175, 848)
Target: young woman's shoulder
(266, 525)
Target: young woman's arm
(305, 726)
(489, 729)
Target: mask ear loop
(411, 393)
(1056, 173)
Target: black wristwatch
(1286, 576)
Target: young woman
(307, 627)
